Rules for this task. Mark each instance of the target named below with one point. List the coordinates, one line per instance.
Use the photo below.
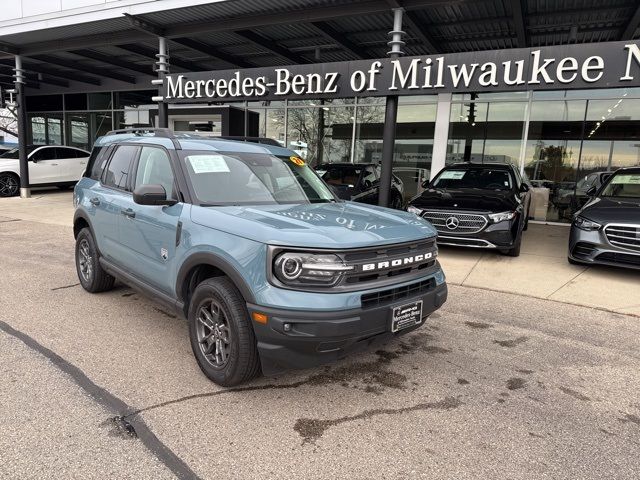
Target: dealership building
(552, 87)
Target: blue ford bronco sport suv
(271, 270)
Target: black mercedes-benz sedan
(476, 205)
(607, 229)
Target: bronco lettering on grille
(368, 267)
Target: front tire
(221, 335)
(9, 184)
(91, 275)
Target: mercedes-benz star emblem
(452, 223)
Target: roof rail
(157, 132)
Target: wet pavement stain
(312, 429)
(524, 371)
(511, 343)
(608, 433)
(535, 435)
(462, 381)
(120, 427)
(516, 383)
(575, 394)
(478, 325)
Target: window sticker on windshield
(298, 161)
(626, 180)
(452, 175)
(208, 163)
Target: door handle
(95, 201)
(54, 164)
(128, 213)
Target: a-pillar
(390, 116)
(21, 110)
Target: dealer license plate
(406, 316)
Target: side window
(64, 153)
(96, 163)
(79, 153)
(154, 167)
(117, 172)
(44, 154)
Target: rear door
(43, 166)
(110, 198)
(71, 162)
(149, 234)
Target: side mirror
(524, 187)
(425, 184)
(592, 191)
(152, 194)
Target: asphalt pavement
(495, 385)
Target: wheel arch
(200, 266)
(80, 221)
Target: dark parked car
(576, 195)
(360, 182)
(607, 229)
(477, 205)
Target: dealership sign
(600, 65)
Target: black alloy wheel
(90, 273)
(9, 184)
(221, 334)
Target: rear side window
(117, 172)
(96, 163)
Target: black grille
(583, 250)
(386, 297)
(620, 258)
(455, 221)
(361, 257)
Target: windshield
(623, 185)
(479, 178)
(253, 179)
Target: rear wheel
(91, 275)
(9, 184)
(221, 334)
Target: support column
(163, 70)
(440, 134)
(21, 110)
(390, 116)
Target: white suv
(49, 165)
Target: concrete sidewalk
(541, 270)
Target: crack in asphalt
(311, 429)
(110, 402)
(370, 377)
(65, 286)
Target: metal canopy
(120, 53)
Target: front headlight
(416, 210)
(585, 224)
(502, 216)
(309, 269)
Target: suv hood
(324, 225)
(466, 199)
(609, 210)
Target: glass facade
(557, 138)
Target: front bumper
(496, 235)
(593, 248)
(316, 338)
